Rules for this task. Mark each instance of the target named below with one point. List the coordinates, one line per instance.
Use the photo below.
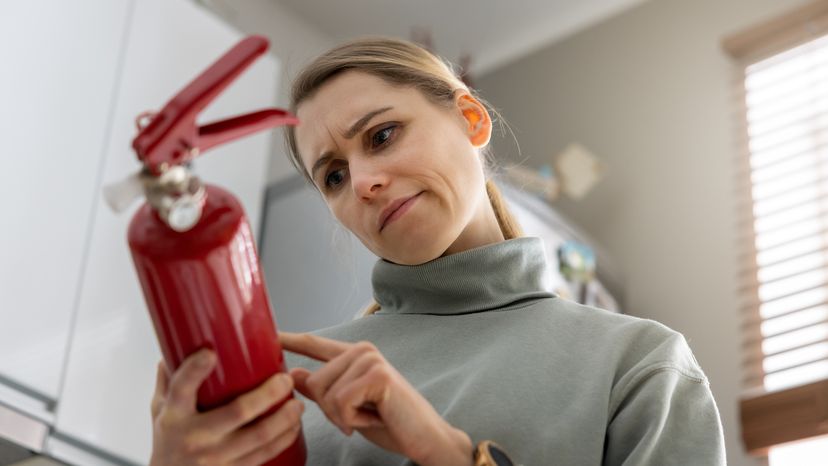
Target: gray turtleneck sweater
(500, 357)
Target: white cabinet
(73, 324)
(60, 69)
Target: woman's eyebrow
(355, 128)
(364, 121)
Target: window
(782, 96)
(786, 97)
(804, 453)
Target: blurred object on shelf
(577, 265)
(576, 171)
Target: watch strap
(488, 453)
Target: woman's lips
(401, 210)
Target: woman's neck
(481, 231)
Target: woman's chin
(415, 250)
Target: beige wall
(648, 91)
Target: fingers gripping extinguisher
(192, 246)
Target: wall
(648, 91)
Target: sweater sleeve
(665, 414)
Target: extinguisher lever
(171, 135)
(216, 133)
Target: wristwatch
(488, 453)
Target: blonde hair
(402, 63)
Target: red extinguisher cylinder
(204, 289)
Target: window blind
(785, 289)
(781, 90)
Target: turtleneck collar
(486, 278)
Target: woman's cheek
(353, 221)
(341, 215)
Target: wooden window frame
(771, 419)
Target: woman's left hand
(358, 389)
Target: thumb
(162, 382)
(300, 376)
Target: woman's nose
(368, 181)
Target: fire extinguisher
(193, 249)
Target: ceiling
(494, 32)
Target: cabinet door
(113, 354)
(59, 71)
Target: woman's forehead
(342, 102)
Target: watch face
(499, 456)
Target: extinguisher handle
(237, 127)
(171, 136)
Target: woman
(465, 344)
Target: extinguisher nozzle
(122, 194)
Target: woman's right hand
(183, 436)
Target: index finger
(313, 346)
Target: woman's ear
(478, 123)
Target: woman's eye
(334, 178)
(382, 136)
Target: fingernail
(283, 379)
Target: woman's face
(369, 146)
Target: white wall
(648, 91)
(293, 40)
